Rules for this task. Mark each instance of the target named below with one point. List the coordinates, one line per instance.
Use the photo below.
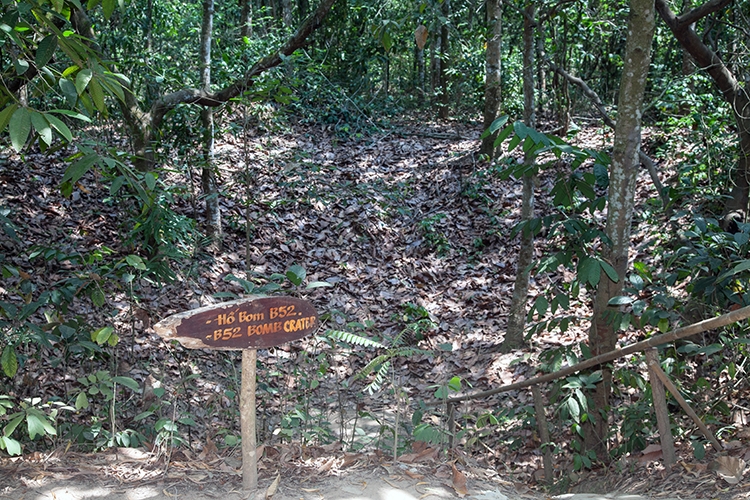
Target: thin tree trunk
(444, 46)
(286, 13)
(620, 204)
(208, 174)
(517, 313)
(419, 56)
(434, 58)
(493, 78)
(246, 19)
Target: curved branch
(702, 11)
(194, 96)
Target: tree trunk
(517, 313)
(419, 61)
(208, 174)
(493, 78)
(246, 19)
(737, 97)
(620, 204)
(286, 13)
(444, 45)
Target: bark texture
(517, 313)
(620, 203)
(208, 174)
(493, 72)
(444, 46)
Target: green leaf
(35, 425)
(82, 80)
(10, 445)
(495, 126)
(541, 304)
(108, 7)
(82, 401)
(150, 179)
(699, 450)
(68, 89)
(610, 271)
(127, 382)
(574, 409)
(20, 128)
(663, 325)
(21, 65)
(15, 421)
(620, 300)
(79, 168)
(136, 262)
(503, 135)
(296, 274)
(42, 127)
(98, 298)
(514, 142)
(589, 271)
(97, 94)
(441, 392)
(58, 5)
(101, 336)
(455, 384)
(742, 266)
(45, 50)
(9, 361)
(6, 114)
(387, 41)
(60, 127)
(72, 114)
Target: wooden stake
(541, 423)
(685, 406)
(247, 420)
(660, 407)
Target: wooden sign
(252, 323)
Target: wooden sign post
(247, 324)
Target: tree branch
(594, 97)
(194, 96)
(679, 333)
(701, 11)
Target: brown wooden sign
(253, 323)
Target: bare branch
(679, 333)
(701, 11)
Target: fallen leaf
(730, 469)
(273, 487)
(414, 475)
(459, 482)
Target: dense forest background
(469, 192)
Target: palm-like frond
(351, 338)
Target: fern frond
(370, 367)
(351, 338)
(380, 378)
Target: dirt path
(362, 484)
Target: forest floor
(406, 225)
